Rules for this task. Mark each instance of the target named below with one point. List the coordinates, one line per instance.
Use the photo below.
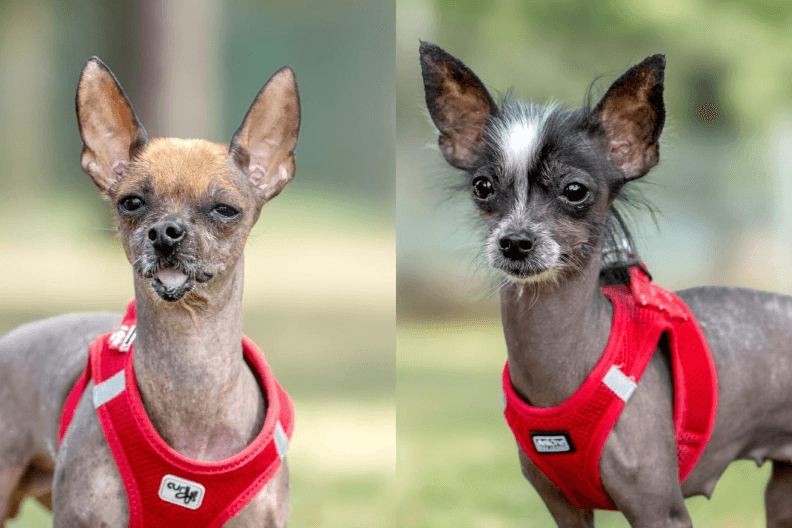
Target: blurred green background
(723, 190)
(319, 292)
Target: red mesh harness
(165, 489)
(566, 441)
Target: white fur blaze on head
(522, 142)
(519, 134)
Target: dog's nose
(515, 246)
(166, 235)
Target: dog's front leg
(639, 461)
(778, 496)
(563, 512)
(87, 490)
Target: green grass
(456, 458)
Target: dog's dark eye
(482, 188)
(575, 192)
(130, 204)
(226, 211)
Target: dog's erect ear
(110, 130)
(458, 103)
(632, 114)
(263, 147)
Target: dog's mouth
(171, 284)
(171, 278)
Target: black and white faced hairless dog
(615, 387)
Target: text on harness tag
(552, 442)
(181, 492)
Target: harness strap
(164, 488)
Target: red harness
(165, 489)
(565, 442)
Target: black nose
(516, 246)
(166, 235)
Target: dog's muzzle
(167, 235)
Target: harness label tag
(552, 442)
(181, 492)
(118, 336)
(128, 340)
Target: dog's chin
(549, 274)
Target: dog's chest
(565, 441)
(190, 481)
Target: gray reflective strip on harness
(621, 385)
(108, 389)
(281, 440)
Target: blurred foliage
(736, 51)
(342, 54)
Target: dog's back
(751, 334)
(39, 362)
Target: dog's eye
(482, 188)
(226, 211)
(130, 204)
(575, 192)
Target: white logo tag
(128, 340)
(552, 443)
(118, 336)
(182, 492)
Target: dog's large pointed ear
(263, 147)
(110, 130)
(458, 103)
(632, 113)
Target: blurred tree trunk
(26, 70)
(180, 47)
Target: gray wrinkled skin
(40, 362)
(556, 334)
(201, 397)
(199, 393)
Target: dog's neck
(196, 387)
(555, 334)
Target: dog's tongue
(171, 278)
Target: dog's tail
(618, 251)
